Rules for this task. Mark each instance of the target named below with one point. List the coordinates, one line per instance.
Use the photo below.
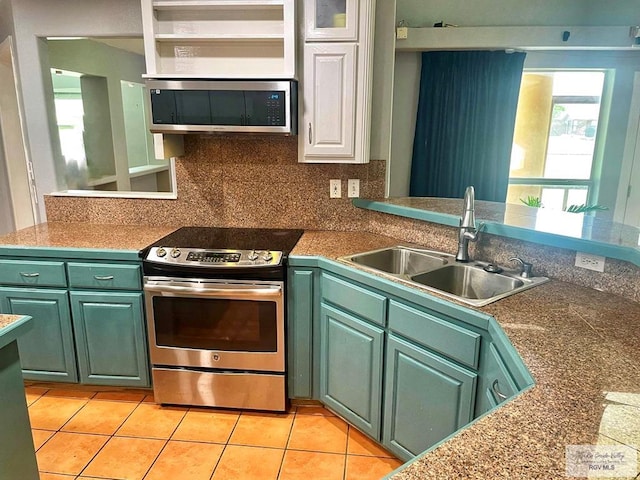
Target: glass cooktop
(232, 238)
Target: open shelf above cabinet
(219, 38)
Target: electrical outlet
(353, 188)
(402, 33)
(590, 262)
(335, 189)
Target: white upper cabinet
(336, 81)
(330, 72)
(219, 38)
(331, 20)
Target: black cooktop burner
(232, 238)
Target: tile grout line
(108, 440)
(166, 441)
(346, 453)
(224, 448)
(286, 445)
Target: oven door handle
(174, 290)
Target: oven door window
(215, 324)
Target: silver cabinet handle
(498, 393)
(103, 277)
(30, 275)
(310, 134)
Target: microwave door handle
(174, 290)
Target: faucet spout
(468, 215)
(467, 231)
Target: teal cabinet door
(427, 398)
(351, 368)
(300, 312)
(110, 338)
(46, 352)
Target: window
(554, 150)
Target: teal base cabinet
(426, 398)
(17, 455)
(301, 309)
(87, 312)
(406, 368)
(351, 353)
(110, 338)
(47, 352)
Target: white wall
(34, 19)
(6, 214)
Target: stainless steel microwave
(223, 106)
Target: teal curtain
(464, 125)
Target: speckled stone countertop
(12, 327)
(6, 320)
(581, 346)
(86, 235)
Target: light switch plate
(335, 189)
(353, 188)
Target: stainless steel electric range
(215, 301)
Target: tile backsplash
(238, 181)
(258, 182)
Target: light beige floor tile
(360, 444)
(263, 430)
(55, 476)
(186, 461)
(152, 421)
(125, 458)
(51, 413)
(99, 416)
(70, 393)
(122, 395)
(314, 410)
(248, 463)
(69, 453)
(369, 468)
(34, 393)
(40, 437)
(205, 425)
(298, 465)
(318, 433)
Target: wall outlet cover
(590, 262)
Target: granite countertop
(85, 235)
(581, 346)
(12, 327)
(7, 320)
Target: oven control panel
(214, 258)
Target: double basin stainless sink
(474, 283)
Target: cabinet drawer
(355, 299)
(435, 333)
(104, 276)
(32, 273)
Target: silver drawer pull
(30, 275)
(103, 277)
(498, 393)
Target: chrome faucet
(467, 231)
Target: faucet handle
(527, 267)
